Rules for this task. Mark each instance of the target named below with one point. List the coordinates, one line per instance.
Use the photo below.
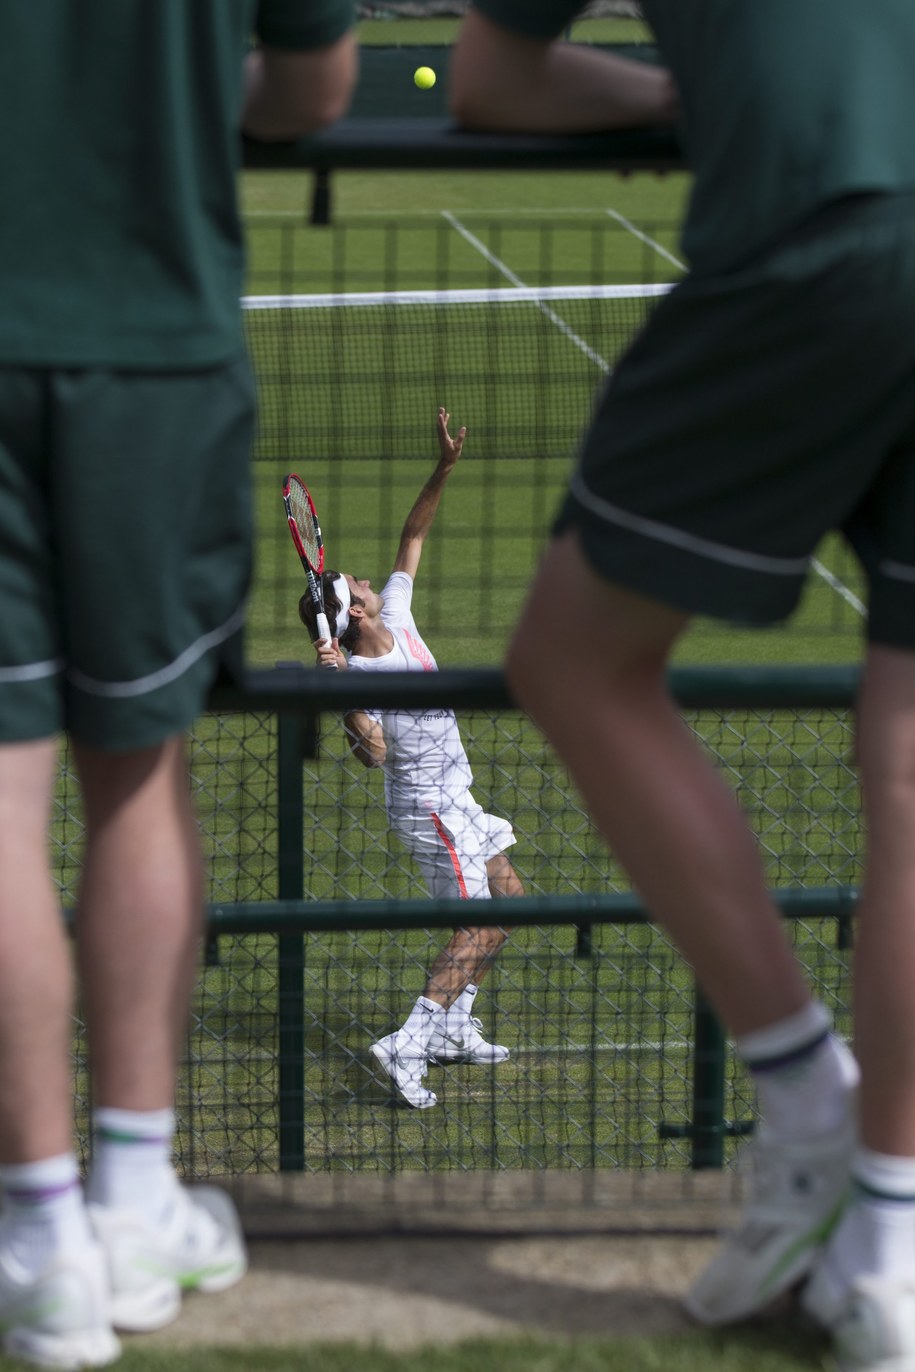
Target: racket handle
(324, 632)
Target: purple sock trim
(762, 1065)
(39, 1195)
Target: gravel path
(407, 1291)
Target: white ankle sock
(421, 1023)
(876, 1235)
(803, 1073)
(462, 1008)
(881, 1176)
(44, 1214)
(132, 1160)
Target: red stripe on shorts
(452, 853)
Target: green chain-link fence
(614, 1069)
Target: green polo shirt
(120, 242)
(787, 105)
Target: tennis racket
(306, 535)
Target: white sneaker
(406, 1068)
(798, 1190)
(460, 1040)
(873, 1328)
(60, 1319)
(199, 1248)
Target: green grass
(373, 393)
(574, 1094)
(418, 32)
(760, 1349)
(601, 1044)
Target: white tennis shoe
(60, 1319)
(461, 1040)
(798, 1190)
(199, 1247)
(872, 1325)
(406, 1068)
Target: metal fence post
(709, 1050)
(707, 1128)
(294, 734)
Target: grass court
(600, 1044)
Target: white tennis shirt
(426, 766)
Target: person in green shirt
(770, 400)
(126, 413)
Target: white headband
(341, 591)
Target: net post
(294, 734)
(320, 196)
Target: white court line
(838, 586)
(646, 239)
(832, 581)
(508, 212)
(509, 275)
(486, 295)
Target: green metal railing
(301, 697)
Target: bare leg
(139, 921)
(503, 879)
(468, 956)
(598, 691)
(885, 934)
(464, 960)
(36, 975)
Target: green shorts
(125, 548)
(756, 412)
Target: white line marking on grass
(838, 586)
(511, 276)
(509, 212)
(646, 239)
(485, 295)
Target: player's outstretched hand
(450, 447)
(329, 655)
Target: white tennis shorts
(452, 846)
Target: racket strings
(301, 513)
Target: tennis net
(349, 384)
(359, 375)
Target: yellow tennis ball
(424, 77)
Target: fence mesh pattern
(360, 329)
(600, 1019)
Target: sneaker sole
(784, 1272)
(143, 1312)
(218, 1279)
(68, 1352)
(386, 1060)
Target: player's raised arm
(419, 520)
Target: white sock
(421, 1023)
(44, 1214)
(876, 1235)
(132, 1160)
(463, 1007)
(803, 1073)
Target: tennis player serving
(457, 846)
